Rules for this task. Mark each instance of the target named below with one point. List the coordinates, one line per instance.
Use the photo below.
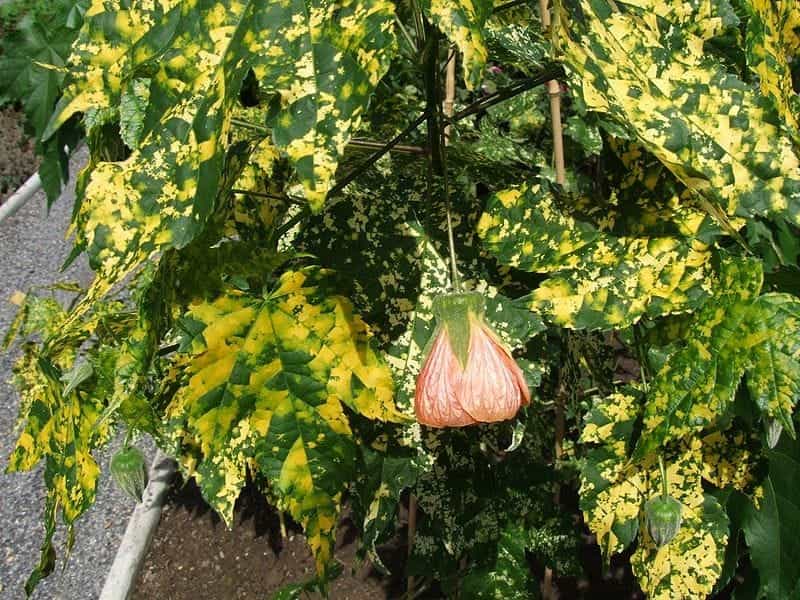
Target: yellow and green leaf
(651, 76)
(600, 281)
(690, 564)
(771, 44)
(265, 382)
(57, 423)
(462, 21)
(322, 59)
(739, 333)
(615, 489)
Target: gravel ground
(33, 248)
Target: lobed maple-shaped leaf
(264, 382)
(600, 281)
(58, 423)
(615, 489)
(321, 59)
(651, 76)
(738, 333)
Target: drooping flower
(469, 376)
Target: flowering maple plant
(320, 229)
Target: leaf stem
(662, 467)
(508, 5)
(359, 143)
(405, 33)
(644, 365)
(288, 199)
(283, 229)
(248, 125)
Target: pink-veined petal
(435, 401)
(492, 387)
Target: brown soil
(17, 158)
(193, 555)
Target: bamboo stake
(554, 91)
(449, 92)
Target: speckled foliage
(278, 262)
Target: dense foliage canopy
(278, 190)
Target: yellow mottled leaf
(266, 383)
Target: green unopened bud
(129, 471)
(663, 515)
(774, 431)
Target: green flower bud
(129, 471)
(663, 515)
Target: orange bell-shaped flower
(468, 376)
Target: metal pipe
(20, 197)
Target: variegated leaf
(704, 18)
(615, 489)
(517, 41)
(462, 22)
(377, 493)
(264, 382)
(771, 44)
(729, 458)
(57, 422)
(321, 58)
(254, 216)
(611, 492)
(710, 129)
(738, 333)
(387, 238)
(601, 281)
(690, 564)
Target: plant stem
(288, 199)
(554, 91)
(663, 469)
(373, 158)
(449, 92)
(248, 125)
(353, 143)
(412, 532)
(508, 92)
(447, 111)
(358, 143)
